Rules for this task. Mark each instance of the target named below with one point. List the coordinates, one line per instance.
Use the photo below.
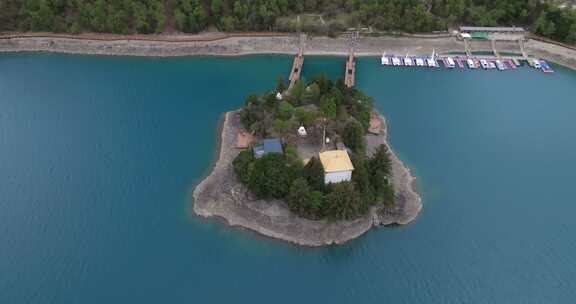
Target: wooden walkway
(493, 43)
(522, 49)
(467, 48)
(296, 68)
(496, 54)
(350, 76)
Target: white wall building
(337, 166)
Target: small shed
(279, 96)
(271, 145)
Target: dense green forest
(155, 16)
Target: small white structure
(337, 166)
(302, 131)
(279, 96)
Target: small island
(310, 165)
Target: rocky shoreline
(260, 43)
(222, 195)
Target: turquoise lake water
(99, 155)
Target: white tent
(302, 131)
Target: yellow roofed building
(337, 166)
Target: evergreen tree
(299, 197)
(280, 84)
(314, 174)
(270, 176)
(361, 178)
(328, 106)
(343, 202)
(354, 136)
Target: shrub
(285, 110)
(243, 164)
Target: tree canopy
(154, 16)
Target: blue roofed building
(271, 145)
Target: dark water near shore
(98, 155)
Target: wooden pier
(493, 43)
(350, 76)
(296, 68)
(467, 48)
(522, 49)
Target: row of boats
(462, 62)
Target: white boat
(484, 64)
(408, 61)
(500, 65)
(450, 62)
(491, 65)
(419, 62)
(431, 61)
(471, 64)
(396, 61)
(537, 64)
(385, 60)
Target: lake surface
(99, 155)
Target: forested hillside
(321, 16)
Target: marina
(501, 63)
(494, 60)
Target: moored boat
(449, 62)
(408, 61)
(546, 67)
(431, 62)
(419, 62)
(471, 64)
(385, 60)
(500, 65)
